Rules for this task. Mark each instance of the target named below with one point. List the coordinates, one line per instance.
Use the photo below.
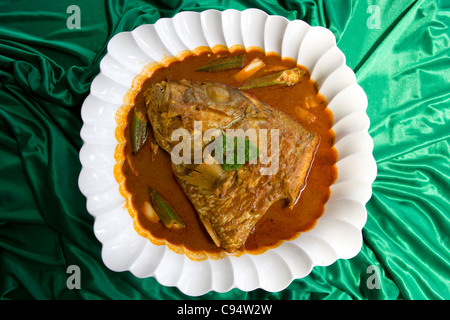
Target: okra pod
(169, 217)
(138, 131)
(223, 64)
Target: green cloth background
(46, 70)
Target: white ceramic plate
(337, 234)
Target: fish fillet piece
(230, 207)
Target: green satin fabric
(46, 70)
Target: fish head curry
(218, 201)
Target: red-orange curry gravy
(301, 101)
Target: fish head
(183, 104)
